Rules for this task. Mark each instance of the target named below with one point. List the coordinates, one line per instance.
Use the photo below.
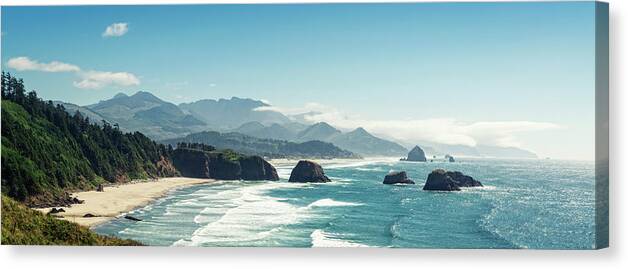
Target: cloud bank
(88, 79)
(26, 64)
(438, 130)
(116, 29)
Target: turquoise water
(524, 204)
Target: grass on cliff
(24, 226)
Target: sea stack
(308, 171)
(397, 178)
(450, 158)
(441, 180)
(416, 155)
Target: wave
(326, 240)
(250, 215)
(330, 202)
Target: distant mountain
(437, 149)
(359, 140)
(362, 142)
(148, 114)
(226, 114)
(320, 131)
(86, 112)
(265, 147)
(274, 131)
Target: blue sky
(512, 74)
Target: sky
(507, 74)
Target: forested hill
(46, 151)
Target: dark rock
(77, 200)
(416, 155)
(131, 218)
(256, 168)
(397, 178)
(89, 215)
(100, 188)
(463, 180)
(441, 180)
(450, 158)
(56, 210)
(308, 171)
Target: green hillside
(25, 226)
(47, 152)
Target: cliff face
(256, 168)
(191, 163)
(217, 165)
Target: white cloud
(116, 29)
(99, 79)
(88, 79)
(26, 64)
(439, 130)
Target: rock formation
(221, 165)
(308, 171)
(416, 155)
(441, 180)
(256, 168)
(450, 158)
(397, 178)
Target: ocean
(547, 204)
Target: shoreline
(119, 199)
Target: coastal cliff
(223, 165)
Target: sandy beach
(119, 199)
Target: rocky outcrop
(191, 163)
(55, 210)
(308, 171)
(416, 155)
(397, 178)
(222, 165)
(441, 180)
(463, 180)
(256, 168)
(450, 158)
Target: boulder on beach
(416, 155)
(55, 210)
(442, 180)
(100, 188)
(397, 178)
(131, 218)
(89, 215)
(308, 171)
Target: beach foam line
(251, 215)
(327, 240)
(330, 202)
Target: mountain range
(161, 120)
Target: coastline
(119, 199)
(280, 162)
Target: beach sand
(119, 199)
